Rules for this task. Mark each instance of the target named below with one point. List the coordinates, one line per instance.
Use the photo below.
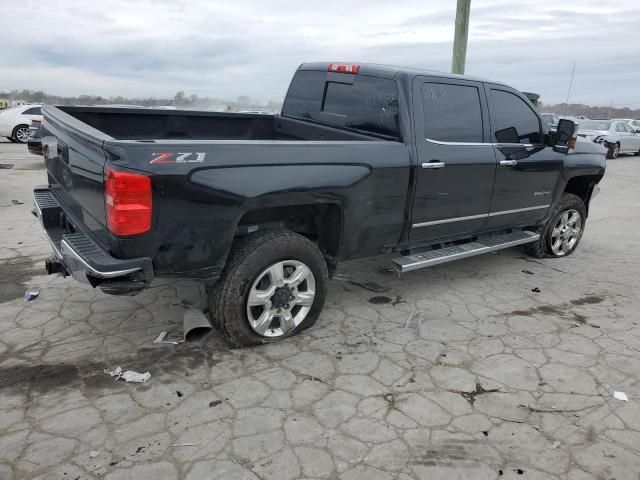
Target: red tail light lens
(343, 68)
(128, 202)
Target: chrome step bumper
(457, 252)
(80, 256)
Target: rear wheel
(613, 151)
(561, 234)
(21, 133)
(274, 286)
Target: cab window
(515, 121)
(452, 113)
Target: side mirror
(566, 134)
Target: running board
(456, 252)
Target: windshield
(593, 125)
(636, 123)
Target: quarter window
(515, 121)
(452, 113)
(32, 111)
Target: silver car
(617, 136)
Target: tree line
(180, 99)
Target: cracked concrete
(498, 380)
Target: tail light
(128, 202)
(343, 68)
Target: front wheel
(561, 234)
(613, 151)
(274, 286)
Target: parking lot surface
(506, 368)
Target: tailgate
(75, 161)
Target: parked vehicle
(34, 139)
(551, 119)
(617, 136)
(14, 122)
(363, 160)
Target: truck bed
(209, 171)
(156, 124)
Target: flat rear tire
(274, 286)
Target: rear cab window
(452, 113)
(359, 102)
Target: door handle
(433, 165)
(508, 163)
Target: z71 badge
(182, 157)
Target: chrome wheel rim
(280, 298)
(22, 134)
(566, 232)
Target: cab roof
(391, 71)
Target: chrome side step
(456, 252)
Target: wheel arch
(582, 186)
(321, 223)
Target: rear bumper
(77, 254)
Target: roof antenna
(569, 92)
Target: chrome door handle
(433, 165)
(508, 163)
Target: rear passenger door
(528, 171)
(456, 162)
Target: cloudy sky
(242, 47)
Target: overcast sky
(243, 47)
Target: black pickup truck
(363, 160)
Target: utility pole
(460, 38)
(570, 85)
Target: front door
(456, 167)
(528, 171)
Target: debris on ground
(555, 445)
(528, 272)
(382, 270)
(129, 375)
(6, 165)
(535, 290)
(373, 286)
(17, 202)
(30, 295)
(94, 453)
(620, 396)
(414, 320)
(162, 338)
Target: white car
(14, 122)
(617, 136)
